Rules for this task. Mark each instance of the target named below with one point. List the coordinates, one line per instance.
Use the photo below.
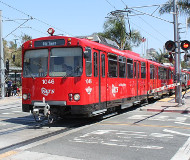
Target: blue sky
(84, 17)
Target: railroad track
(73, 125)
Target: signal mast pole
(2, 68)
(178, 89)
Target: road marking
(7, 154)
(145, 125)
(186, 115)
(183, 153)
(7, 113)
(187, 124)
(158, 118)
(147, 147)
(17, 111)
(165, 99)
(2, 124)
(160, 135)
(175, 132)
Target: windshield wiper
(29, 69)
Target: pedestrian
(9, 85)
(18, 91)
(6, 89)
(14, 89)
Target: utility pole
(178, 89)
(2, 69)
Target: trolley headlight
(25, 96)
(76, 97)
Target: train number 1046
(48, 81)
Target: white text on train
(48, 81)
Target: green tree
(5, 47)
(183, 6)
(115, 29)
(184, 64)
(25, 38)
(12, 45)
(11, 50)
(159, 57)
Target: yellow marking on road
(166, 99)
(145, 125)
(171, 97)
(7, 154)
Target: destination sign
(46, 43)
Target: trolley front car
(74, 76)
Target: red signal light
(185, 45)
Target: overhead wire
(110, 4)
(41, 21)
(16, 28)
(147, 22)
(129, 34)
(15, 21)
(147, 32)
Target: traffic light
(170, 46)
(7, 67)
(185, 45)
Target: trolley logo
(46, 92)
(114, 90)
(88, 90)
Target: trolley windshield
(66, 62)
(35, 63)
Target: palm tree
(159, 57)
(115, 29)
(183, 6)
(25, 38)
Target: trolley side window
(95, 65)
(112, 65)
(35, 63)
(103, 64)
(162, 73)
(129, 68)
(88, 61)
(143, 70)
(65, 62)
(122, 67)
(165, 73)
(152, 74)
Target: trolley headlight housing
(76, 97)
(25, 96)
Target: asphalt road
(132, 135)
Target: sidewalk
(10, 100)
(168, 105)
(163, 105)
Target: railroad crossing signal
(185, 45)
(170, 46)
